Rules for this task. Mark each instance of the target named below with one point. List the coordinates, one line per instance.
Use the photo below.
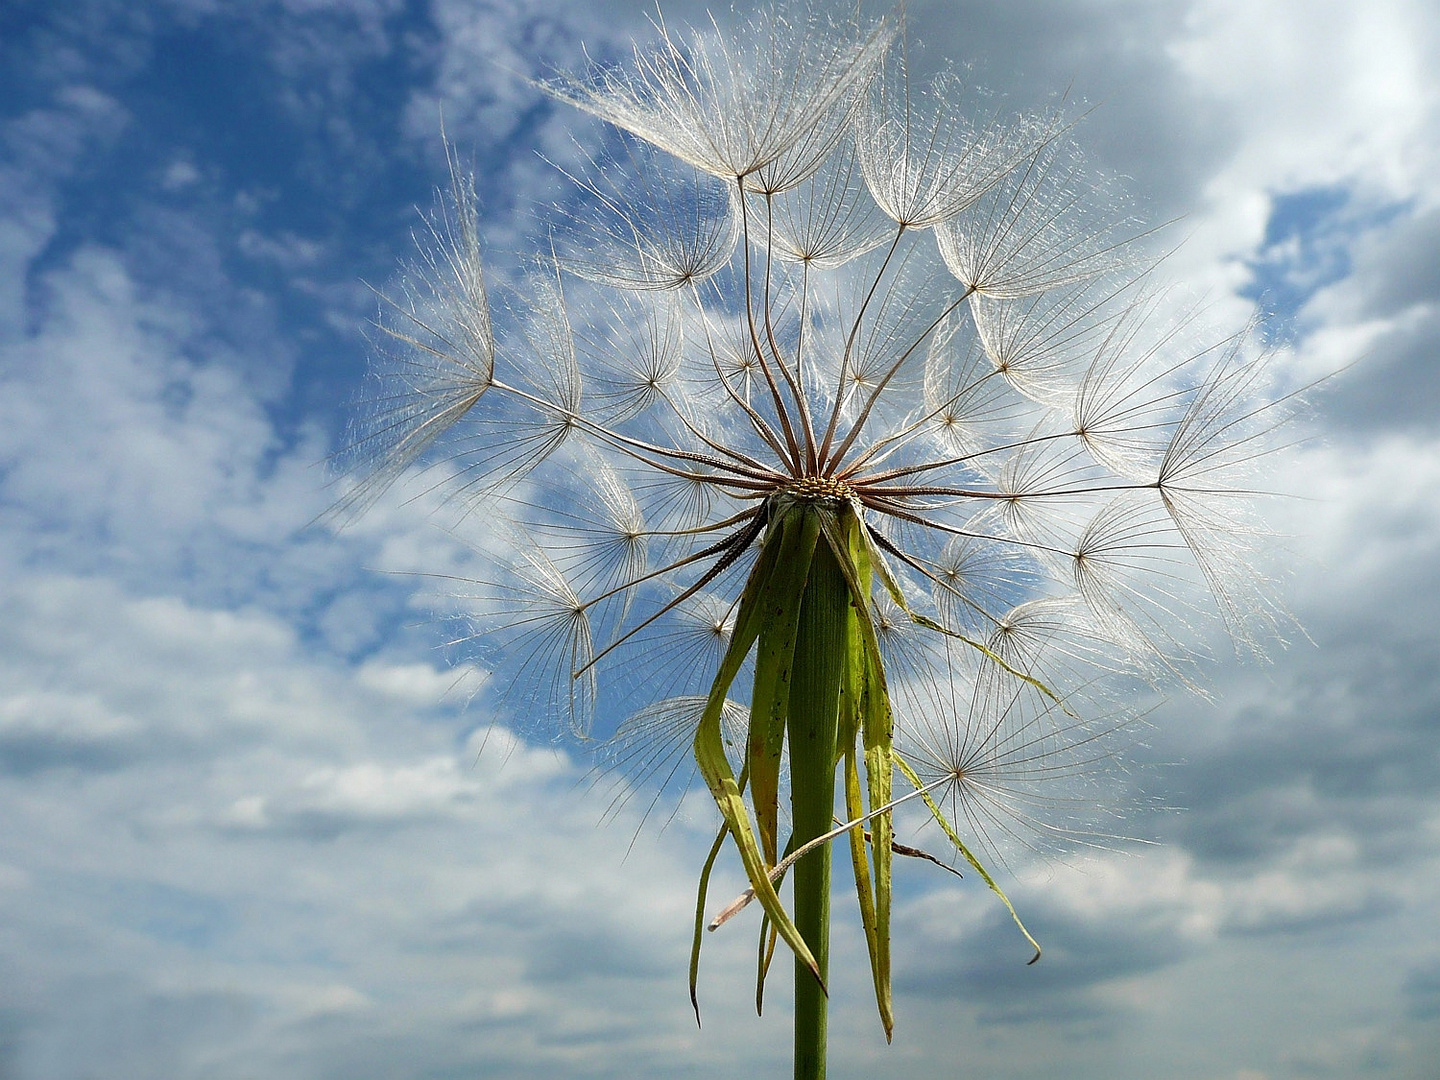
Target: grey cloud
(1339, 735)
(1422, 991)
(568, 957)
(1398, 267)
(25, 752)
(1395, 383)
(1353, 721)
(1318, 919)
(1144, 122)
(11, 1025)
(1254, 800)
(1311, 812)
(987, 968)
(117, 1029)
(317, 825)
(562, 942)
(166, 913)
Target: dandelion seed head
(794, 285)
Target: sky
(253, 820)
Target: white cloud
(1317, 96)
(108, 430)
(313, 842)
(1326, 93)
(41, 147)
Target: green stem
(813, 715)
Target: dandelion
(836, 434)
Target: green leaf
(709, 745)
(774, 660)
(845, 533)
(954, 836)
(892, 586)
(865, 894)
(700, 894)
(766, 949)
(876, 558)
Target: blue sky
(245, 829)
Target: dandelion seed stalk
(820, 648)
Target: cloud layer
(249, 825)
